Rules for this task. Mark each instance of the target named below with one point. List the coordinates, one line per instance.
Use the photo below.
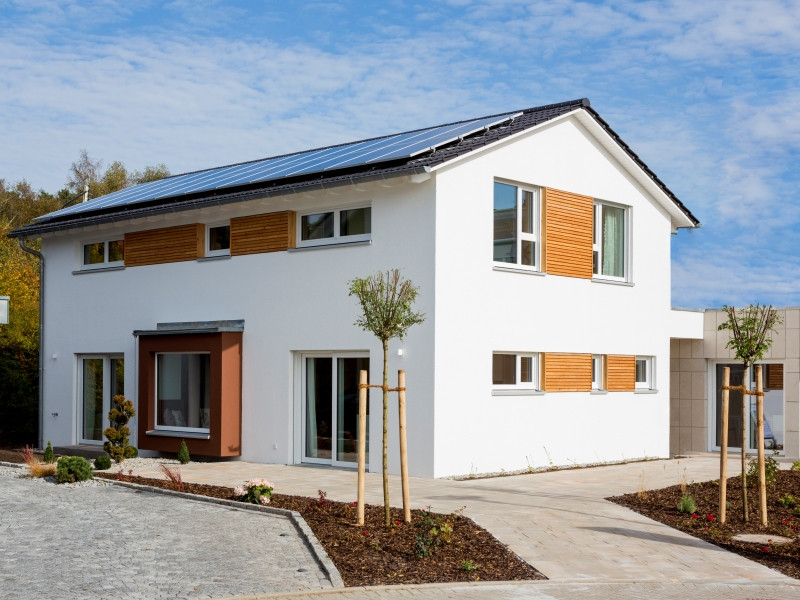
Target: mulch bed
(661, 505)
(376, 555)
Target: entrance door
(101, 378)
(330, 408)
(772, 379)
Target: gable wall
(489, 310)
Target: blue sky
(707, 93)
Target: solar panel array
(374, 151)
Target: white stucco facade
(438, 230)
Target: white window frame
(108, 392)
(106, 264)
(534, 236)
(222, 252)
(598, 370)
(175, 428)
(597, 246)
(649, 381)
(532, 385)
(337, 238)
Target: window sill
(645, 391)
(218, 257)
(99, 270)
(195, 435)
(599, 392)
(331, 245)
(612, 282)
(519, 392)
(512, 269)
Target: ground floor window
(183, 391)
(772, 380)
(101, 378)
(515, 371)
(330, 407)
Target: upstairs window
(218, 240)
(336, 226)
(515, 371)
(516, 225)
(97, 255)
(609, 243)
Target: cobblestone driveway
(61, 542)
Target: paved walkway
(74, 543)
(557, 521)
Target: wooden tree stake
(723, 450)
(762, 482)
(401, 406)
(362, 441)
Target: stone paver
(60, 542)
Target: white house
(217, 300)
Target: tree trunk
(723, 447)
(387, 516)
(745, 416)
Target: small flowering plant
(255, 491)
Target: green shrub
(771, 468)
(788, 501)
(796, 465)
(118, 433)
(102, 462)
(73, 468)
(687, 504)
(49, 457)
(183, 453)
(131, 452)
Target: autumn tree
(88, 172)
(749, 329)
(387, 312)
(19, 339)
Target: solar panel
(365, 152)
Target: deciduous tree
(387, 312)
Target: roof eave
(35, 230)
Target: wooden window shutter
(620, 373)
(568, 222)
(270, 232)
(567, 372)
(774, 377)
(158, 246)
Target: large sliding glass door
(330, 407)
(101, 378)
(772, 380)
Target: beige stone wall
(688, 384)
(690, 364)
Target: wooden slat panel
(567, 372)
(774, 377)
(270, 232)
(620, 373)
(157, 246)
(568, 222)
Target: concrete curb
(304, 531)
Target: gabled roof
(411, 152)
